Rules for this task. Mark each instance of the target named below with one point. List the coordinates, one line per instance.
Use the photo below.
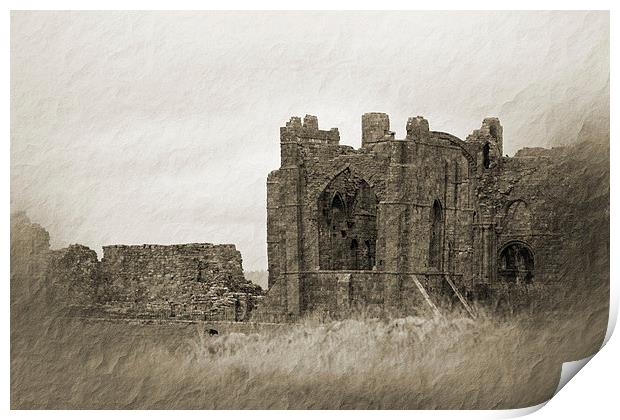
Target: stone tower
(392, 227)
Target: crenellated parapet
(308, 132)
(418, 129)
(376, 128)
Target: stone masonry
(203, 281)
(188, 281)
(400, 225)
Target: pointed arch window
(347, 224)
(435, 249)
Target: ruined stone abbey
(397, 227)
(400, 224)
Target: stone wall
(331, 207)
(439, 215)
(397, 227)
(73, 273)
(556, 201)
(46, 281)
(189, 280)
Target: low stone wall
(190, 281)
(338, 294)
(334, 292)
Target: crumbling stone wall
(27, 238)
(73, 275)
(542, 199)
(51, 280)
(189, 280)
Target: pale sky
(161, 127)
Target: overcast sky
(161, 127)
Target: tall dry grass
(410, 363)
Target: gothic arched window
(435, 249)
(347, 224)
(516, 263)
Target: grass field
(362, 364)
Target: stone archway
(347, 213)
(516, 263)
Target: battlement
(487, 141)
(375, 128)
(308, 131)
(417, 128)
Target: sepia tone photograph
(306, 209)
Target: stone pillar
(293, 295)
(311, 122)
(375, 127)
(395, 221)
(492, 127)
(273, 229)
(418, 129)
(290, 215)
(489, 258)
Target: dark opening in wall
(347, 211)
(337, 220)
(516, 263)
(486, 160)
(435, 249)
(355, 251)
(370, 253)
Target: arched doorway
(516, 263)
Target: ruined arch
(459, 143)
(516, 263)
(435, 247)
(517, 217)
(347, 222)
